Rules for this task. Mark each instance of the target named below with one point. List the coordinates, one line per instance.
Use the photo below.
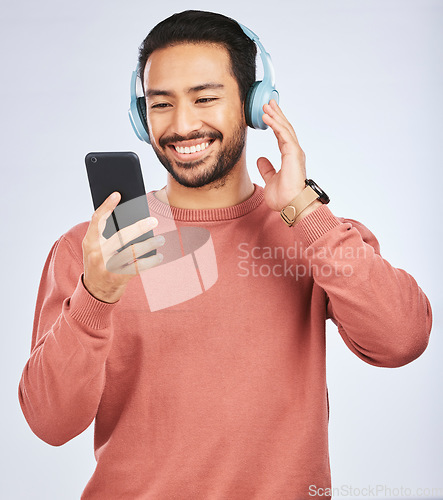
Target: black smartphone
(119, 171)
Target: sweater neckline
(206, 214)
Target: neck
(231, 190)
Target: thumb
(266, 169)
(105, 210)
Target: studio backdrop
(361, 84)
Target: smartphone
(119, 171)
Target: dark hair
(197, 26)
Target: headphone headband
(268, 68)
(260, 93)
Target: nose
(185, 120)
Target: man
(222, 396)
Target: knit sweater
(214, 386)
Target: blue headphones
(260, 93)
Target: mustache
(164, 141)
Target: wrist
(304, 203)
(102, 296)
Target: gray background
(361, 83)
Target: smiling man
(221, 396)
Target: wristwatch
(309, 194)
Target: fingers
(120, 260)
(140, 265)
(273, 110)
(127, 234)
(128, 260)
(285, 139)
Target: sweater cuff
(88, 310)
(316, 224)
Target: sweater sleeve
(63, 379)
(381, 313)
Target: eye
(160, 105)
(205, 100)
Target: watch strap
(298, 204)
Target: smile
(191, 152)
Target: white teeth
(192, 149)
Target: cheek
(157, 127)
(235, 113)
(225, 118)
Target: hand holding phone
(108, 268)
(118, 171)
(120, 237)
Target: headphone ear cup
(261, 93)
(249, 103)
(141, 108)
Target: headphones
(260, 93)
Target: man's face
(195, 115)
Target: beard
(215, 173)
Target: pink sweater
(223, 394)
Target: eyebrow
(197, 88)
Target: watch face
(322, 196)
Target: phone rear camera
(94, 159)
